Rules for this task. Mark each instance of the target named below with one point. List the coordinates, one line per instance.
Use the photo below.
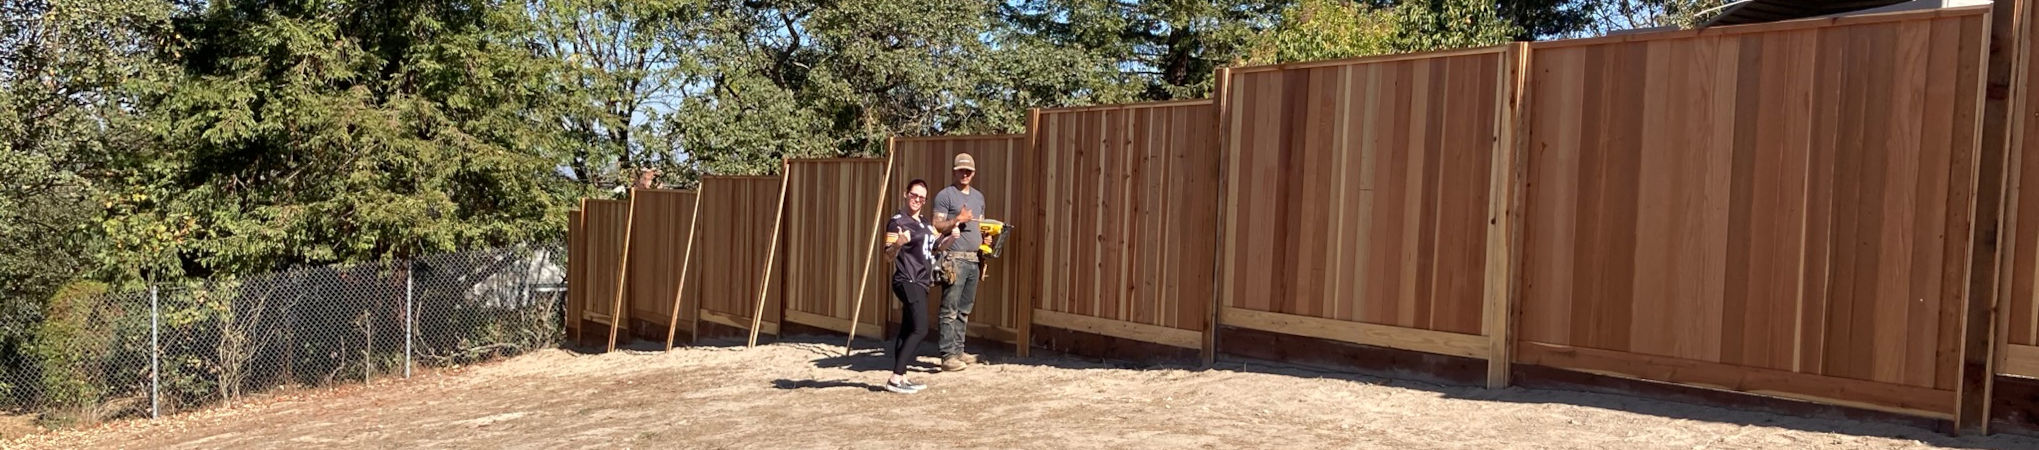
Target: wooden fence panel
(662, 222)
(735, 234)
(831, 209)
(1781, 208)
(1358, 203)
(1132, 209)
(1009, 197)
(603, 223)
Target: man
(956, 213)
(646, 179)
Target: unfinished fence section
(1010, 196)
(1782, 208)
(2019, 340)
(831, 218)
(732, 246)
(662, 223)
(597, 237)
(1131, 205)
(1359, 205)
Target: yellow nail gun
(994, 232)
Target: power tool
(993, 232)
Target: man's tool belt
(950, 266)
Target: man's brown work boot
(968, 358)
(954, 364)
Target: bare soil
(803, 393)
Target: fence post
(1221, 110)
(1994, 154)
(155, 356)
(409, 320)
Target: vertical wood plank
(1554, 140)
(1507, 184)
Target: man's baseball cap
(965, 162)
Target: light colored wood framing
(771, 252)
(1438, 342)
(1174, 337)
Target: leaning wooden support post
(757, 316)
(622, 271)
(1505, 192)
(878, 219)
(1221, 101)
(680, 294)
(1978, 373)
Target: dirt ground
(804, 394)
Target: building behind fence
(179, 346)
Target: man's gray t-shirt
(950, 202)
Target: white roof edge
(1914, 5)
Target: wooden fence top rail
(961, 137)
(1160, 104)
(664, 191)
(1372, 59)
(739, 177)
(1789, 25)
(830, 160)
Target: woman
(913, 272)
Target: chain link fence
(176, 347)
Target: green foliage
(64, 69)
(1325, 29)
(321, 135)
(182, 141)
(1448, 24)
(1618, 15)
(1331, 29)
(837, 79)
(619, 68)
(69, 348)
(1161, 49)
(1544, 19)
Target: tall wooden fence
(1777, 209)
(1785, 209)
(599, 230)
(1361, 195)
(831, 221)
(1009, 197)
(733, 239)
(1125, 231)
(662, 223)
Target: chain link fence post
(409, 313)
(155, 355)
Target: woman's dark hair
(916, 182)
